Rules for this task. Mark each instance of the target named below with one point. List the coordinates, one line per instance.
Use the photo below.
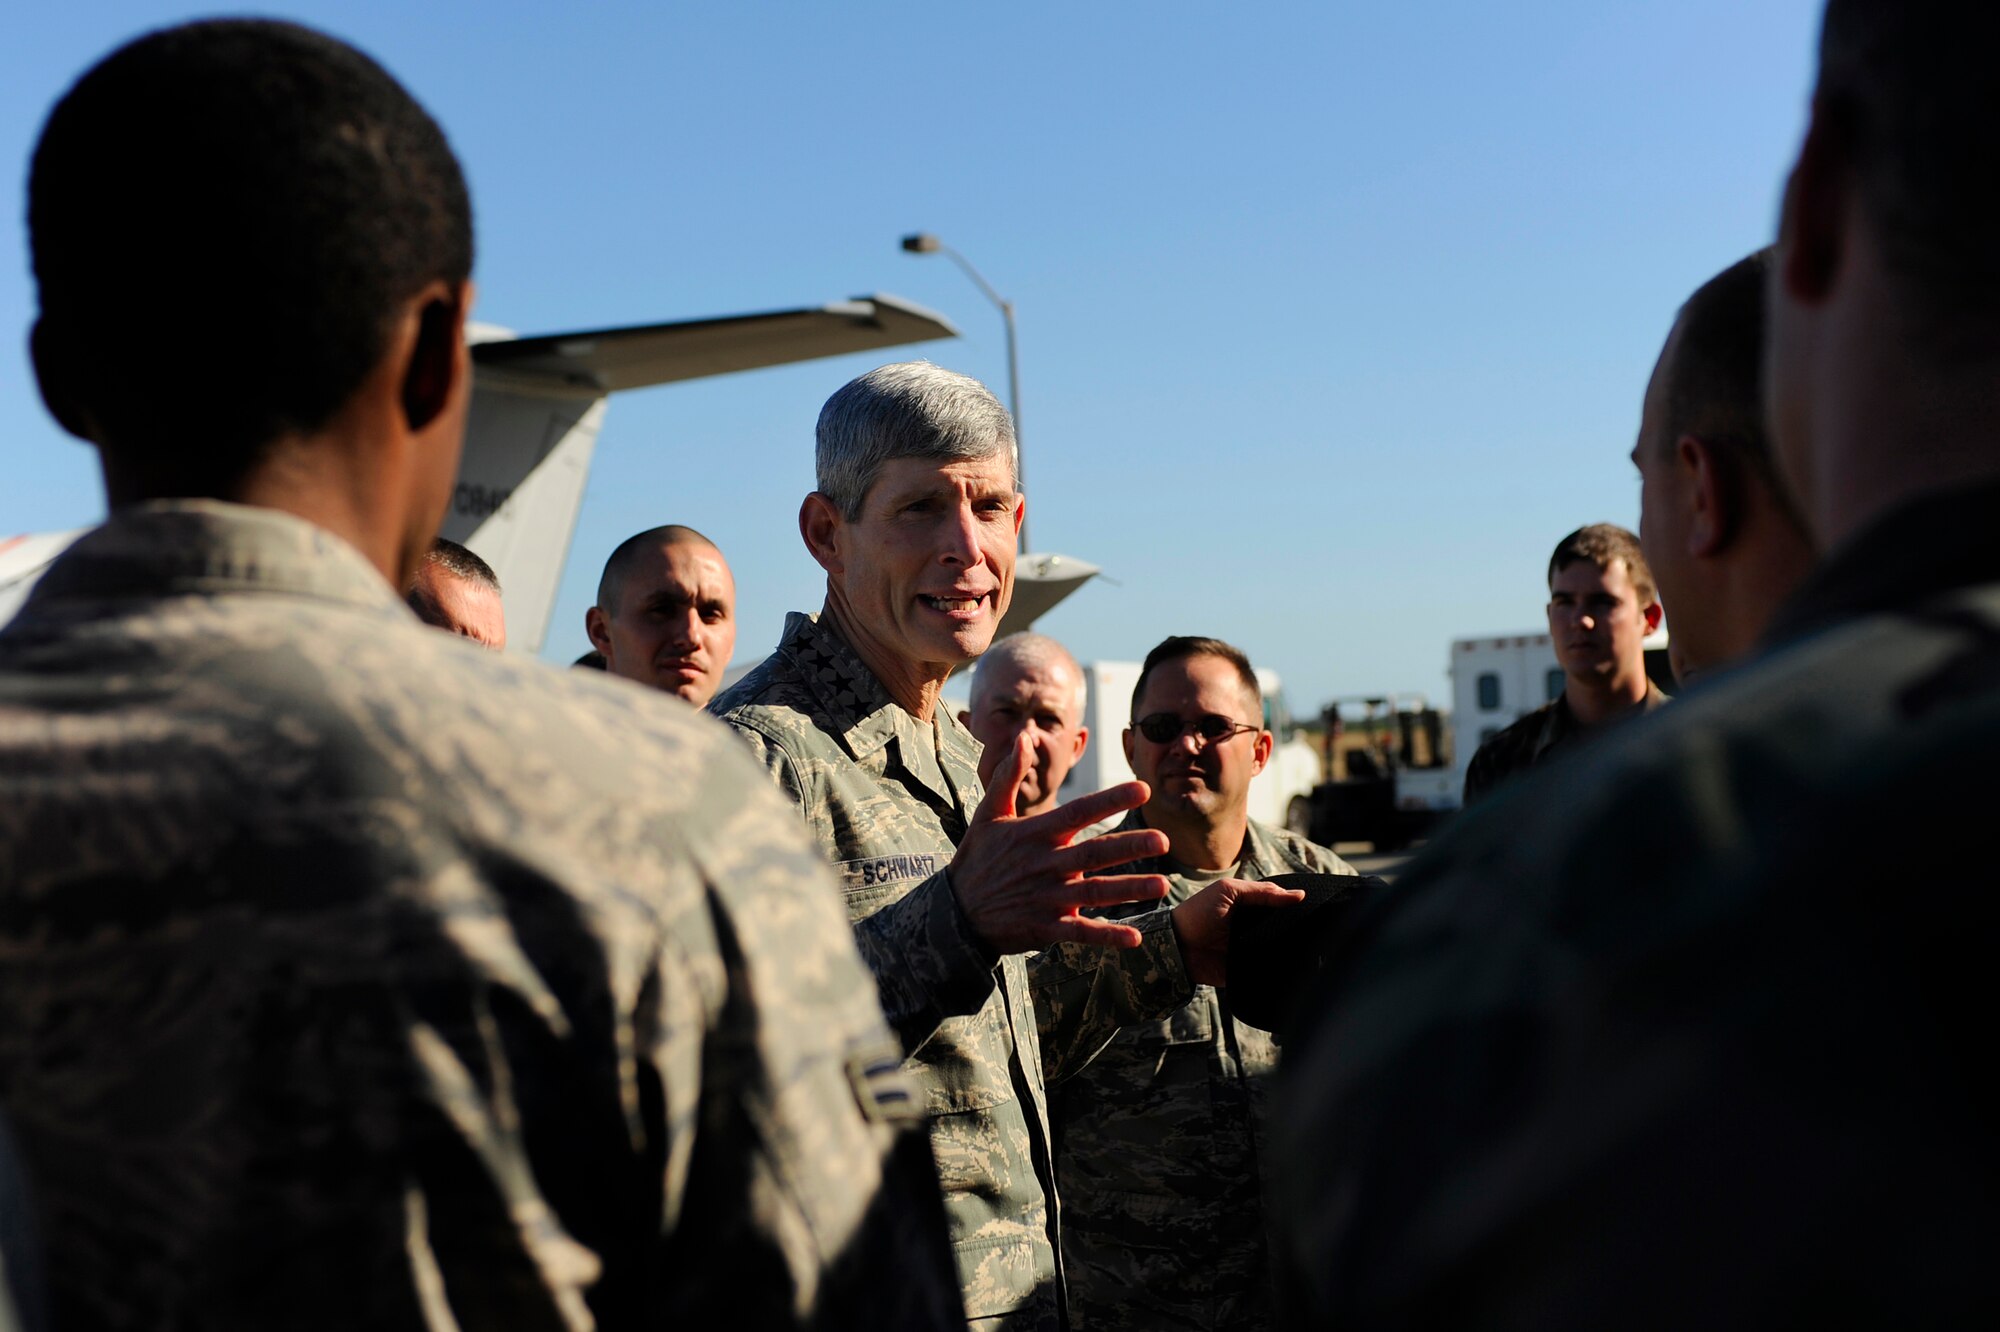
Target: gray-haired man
(915, 522)
(1029, 684)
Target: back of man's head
(910, 410)
(1907, 85)
(1603, 545)
(1714, 386)
(263, 193)
(455, 590)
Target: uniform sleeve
(928, 961)
(1085, 992)
(809, 1179)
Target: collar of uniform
(1257, 857)
(1934, 544)
(179, 547)
(867, 718)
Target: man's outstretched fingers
(1073, 816)
(1104, 933)
(1112, 849)
(1112, 889)
(1003, 797)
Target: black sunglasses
(1163, 728)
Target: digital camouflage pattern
(1532, 739)
(887, 798)
(355, 976)
(1686, 1032)
(1160, 1145)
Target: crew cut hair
(1908, 88)
(461, 562)
(1602, 544)
(1179, 647)
(909, 410)
(266, 192)
(617, 568)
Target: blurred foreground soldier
(1602, 604)
(1720, 533)
(915, 522)
(454, 590)
(1029, 684)
(1159, 1138)
(666, 613)
(1688, 1033)
(349, 979)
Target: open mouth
(954, 605)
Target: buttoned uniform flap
(1193, 1023)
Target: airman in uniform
(915, 523)
(1690, 1031)
(1160, 1137)
(351, 976)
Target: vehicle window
(1489, 691)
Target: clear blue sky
(1333, 316)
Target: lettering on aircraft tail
(479, 501)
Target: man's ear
(1082, 739)
(1261, 752)
(965, 718)
(55, 375)
(437, 354)
(597, 631)
(1020, 513)
(1813, 223)
(1126, 737)
(822, 527)
(1653, 614)
(1714, 503)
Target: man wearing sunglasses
(1159, 1138)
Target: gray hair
(1022, 650)
(910, 410)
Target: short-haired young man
(666, 613)
(350, 979)
(456, 591)
(1602, 604)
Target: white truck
(1290, 776)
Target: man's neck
(1199, 844)
(1593, 704)
(915, 686)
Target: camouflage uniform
(1532, 739)
(887, 798)
(352, 976)
(1686, 1032)
(1160, 1145)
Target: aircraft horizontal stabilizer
(1040, 583)
(609, 359)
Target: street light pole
(924, 243)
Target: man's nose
(960, 540)
(687, 629)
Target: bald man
(1029, 683)
(456, 591)
(1724, 540)
(666, 612)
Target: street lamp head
(922, 242)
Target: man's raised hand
(1021, 882)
